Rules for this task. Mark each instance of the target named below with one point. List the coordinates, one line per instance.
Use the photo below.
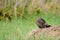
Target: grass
(18, 29)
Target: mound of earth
(51, 31)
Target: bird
(41, 23)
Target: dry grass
(51, 31)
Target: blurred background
(18, 17)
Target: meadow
(18, 18)
(18, 29)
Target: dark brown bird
(41, 23)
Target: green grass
(18, 29)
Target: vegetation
(23, 14)
(22, 8)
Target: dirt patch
(51, 31)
